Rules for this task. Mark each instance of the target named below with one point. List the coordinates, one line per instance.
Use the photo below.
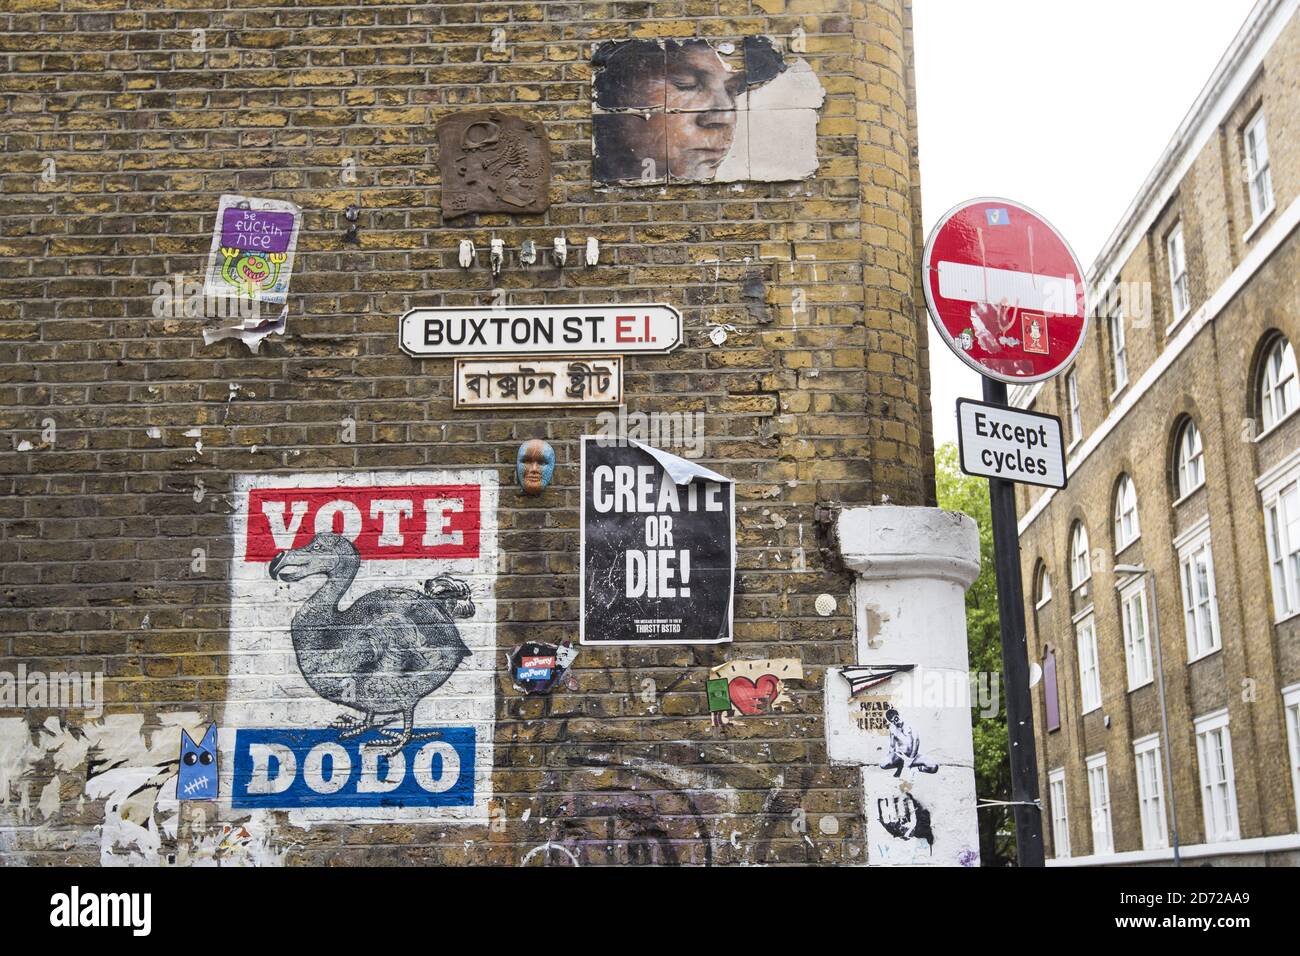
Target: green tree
(961, 492)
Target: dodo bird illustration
(386, 652)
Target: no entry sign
(1005, 291)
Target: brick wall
(119, 137)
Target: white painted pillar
(913, 566)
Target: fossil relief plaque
(493, 162)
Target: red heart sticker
(753, 697)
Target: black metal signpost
(1004, 291)
(1015, 660)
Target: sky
(1108, 80)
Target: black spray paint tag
(658, 547)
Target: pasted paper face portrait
(692, 111)
(534, 466)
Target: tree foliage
(961, 492)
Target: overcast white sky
(1063, 106)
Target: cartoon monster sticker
(198, 770)
(251, 272)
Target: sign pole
(1015, 659)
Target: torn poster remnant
(250, 265)
(697, 111)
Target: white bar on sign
(1051, 294)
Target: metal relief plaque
(492, 161)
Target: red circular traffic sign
(1005, 290)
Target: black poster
(658, 547)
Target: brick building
(133, 447)
(1182, 503)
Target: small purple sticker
(256, 230)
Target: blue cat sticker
(198, 773)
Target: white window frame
(1279, 490)
(1180, 296)
(1218, 796)
(1060, 806)
(1126, 507)
(1103, 834)
(1118, 345)
(1151, 792)
(1080, 558)
(1190, 456)
(1072, 400)
(1198, 608)
(1085, 647)
(1135, 622)
(1278, 389)
(1291, 710)
(1259, 174)
(1044, 588)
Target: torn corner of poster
(250, 265)
(679, 470)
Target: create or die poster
(658, 547)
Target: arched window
(1042, 586)
(1278, 392)
(1126, 513)
(1189, 473)
(1080, 563)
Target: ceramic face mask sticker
(534, 466)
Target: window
(1178, 290)
(1151, 792)
(1089, 669)
(1060, 813)
(1126, 514)
(1118, 345)
(1080, 563)
(1282, 530)
(1218, 785)
(1072, 396)
(1291, 704)
(1190, 473)
(1200, 602)
(1043, 590)
(1137, 646)
(1258, 174)
(1278, 392)
(1099, 802)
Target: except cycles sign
(541, 330)
(1005, 291)
(999, 442)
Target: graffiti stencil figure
(197, 778)
(904, 747)
(251, 272)
(386, 652)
